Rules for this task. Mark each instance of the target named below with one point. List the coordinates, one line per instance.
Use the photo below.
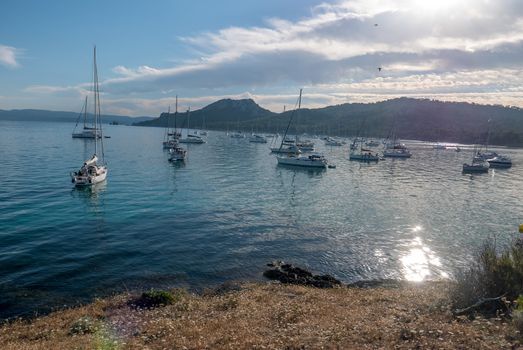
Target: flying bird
(379, 69)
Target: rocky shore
(290, 313)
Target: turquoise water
(227, 212)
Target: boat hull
(89, 180)
(501, 165)
(302, 162)
(475, 169)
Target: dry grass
(269, 316)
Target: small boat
(177, 153)
(286, 149)
(500, 162)
(439, 146)
(171, 136)
(372, 143)
(91, 171)
(476, 167)
(192, 139)
(311, 161)
(397, 153)
(305, 145)
(364, 155)
(333, 142)
(237, 135)
(255, 138)
(88, 131)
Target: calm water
(228, 212)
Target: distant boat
(476, 166)
(294, 159)
(237, 135)
(93, 171)
(177, 153)
(255, 138)
(395, 149)
(329, 141)
(500, 162)
(372, 143)
(191, 138)
(88, 131)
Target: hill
(60, 116)
(419, 119)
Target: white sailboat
(310, 161)
(93, 171)
(191, 138)
(88, 131)
(476, 166)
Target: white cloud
(8, 56)
(468, 49)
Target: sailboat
(87, 132)
(310, 161)
(395, 149)
(191, 138)
(476, 166)
(177, 153)
(93, 171)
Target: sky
(203, 50)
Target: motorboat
(192, 139)
(500, 162)
(332, 142)
(237, 135)
(255, 138)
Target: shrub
(84, 325)
(492, 274)
(155, 298)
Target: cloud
(446, 48)
(8, 56)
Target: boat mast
(290, 121)
(85, 110)
(175, 113)
(97, 112)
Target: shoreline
(269, 315)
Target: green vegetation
(417, 119)
(155, 298)
(494, 283)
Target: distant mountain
(57, 116)
(419, 119)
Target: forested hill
(59, 116)
(419, 119)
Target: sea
(228, 211)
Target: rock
(287, 273)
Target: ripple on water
(227, 212)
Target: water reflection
(420, 261)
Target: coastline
(268, 315)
